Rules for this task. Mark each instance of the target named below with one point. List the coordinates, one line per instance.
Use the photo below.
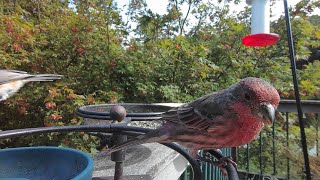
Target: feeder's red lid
(262, 39)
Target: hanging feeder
(260, 25)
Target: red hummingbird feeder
(260, 25)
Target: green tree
(145, 57)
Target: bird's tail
(153, 136)
(44, 77)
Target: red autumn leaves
(50, 105)
(18, 37)
(23, 105)
(55, 116)
(79, 49)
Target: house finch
(228, 118)
(12, 80)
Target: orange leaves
(113, 99)
(18, 36)
(90, 100)
(22, 103)
(55, 117)
(71, 96)
(60, 104)
(9, 25)
(76, 41)
(74, 30)
(22, 110)
(28, 35)
(7, 22)
(22, 106)
(50, 105)
(53, 93)
(89, 29)
(80, 51)
(9, 30)
(78, 47)
(113, 64)
(17, 47)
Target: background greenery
(162, 58)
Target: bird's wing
(12, 75)
(12, 71)
(199, 114)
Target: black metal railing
(209, 172)
(288, 109)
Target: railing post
(248, 161)
(118, 113)
(119, 156)
(317, 134)
(287, 134)
(234, 154)
(260, 150)
(273, 149)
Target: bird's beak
(267, 113)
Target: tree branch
(185, 19)
(196, 29)
(176, 6)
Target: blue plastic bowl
(45, 163)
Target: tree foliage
(143, 57)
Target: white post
(260, 25)
(260, 19)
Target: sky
(159, 6)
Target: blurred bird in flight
(12, 80)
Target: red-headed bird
(12, 80)
(228, 118)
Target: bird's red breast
(247, 125)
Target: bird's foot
(221, 163)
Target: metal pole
(234, 154)
(260, 153)
(296, 90)
(287, 129)
(317, 132)
(119, 156)
(274, 150)
(248, 161)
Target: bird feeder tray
(260, 40)
(28, 163)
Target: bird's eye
(247, 96)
